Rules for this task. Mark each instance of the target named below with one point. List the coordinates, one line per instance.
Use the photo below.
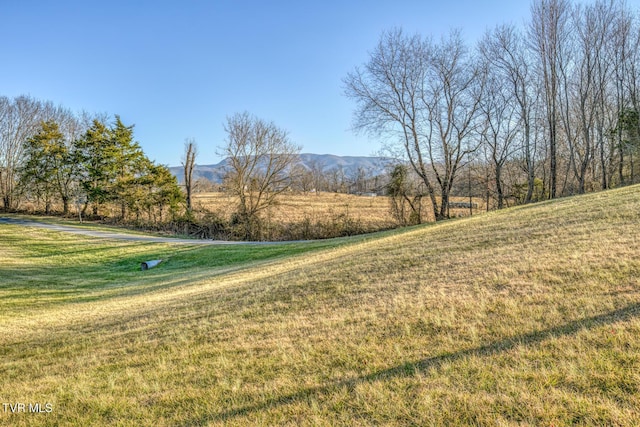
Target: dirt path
(119, 236)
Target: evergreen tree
(96, 153)
(129, 162)
(163, 190)
(48, 169)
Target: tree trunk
(603, 163)
(621, 166)
(531, 176)
(65, 205)
(553, 166)
(499, 186)
(444, 207)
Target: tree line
(544, 110)
(55, 161)
(50, 156)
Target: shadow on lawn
(410, 368)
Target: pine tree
(96, 153)
(130, 162)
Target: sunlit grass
(372, 213)
(524, 317)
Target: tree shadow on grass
(411, 368)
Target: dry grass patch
(369, 213)
(373, 212)
(523, 317)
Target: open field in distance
(373, 213)
(528, 316)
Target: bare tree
(625, 45)
(424, 96)
(316, 170)
(7, 158)
(260, 156)
(505, 53)
(456, 88)
(19, 119)
(500, 118)
(188, 164)
(361, 179)
(587, 91)
(547, 32)
(302, 178)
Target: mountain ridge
(350, 165)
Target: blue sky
(177, 69)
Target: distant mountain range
(350, 165)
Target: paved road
(119, 236)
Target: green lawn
(528, 316)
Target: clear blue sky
(177, 69)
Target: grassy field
(294, 207)
(528, 316)
(372, 213)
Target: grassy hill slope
(528, 316)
